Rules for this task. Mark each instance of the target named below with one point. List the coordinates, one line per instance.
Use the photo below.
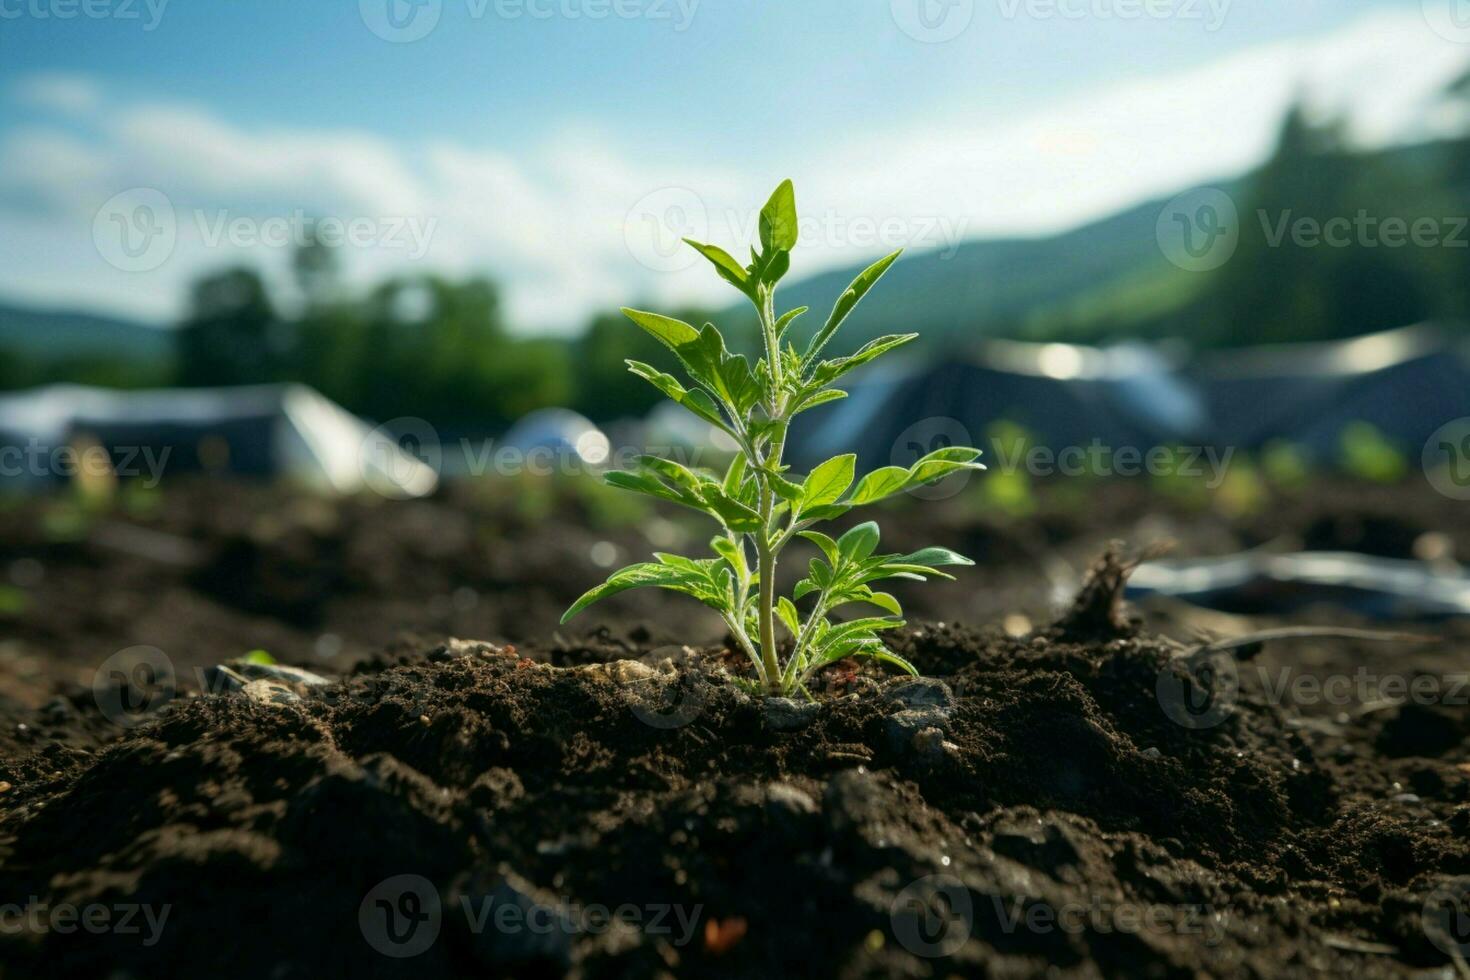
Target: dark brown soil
(211, 571)
(1039, 808)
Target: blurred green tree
(231, 335)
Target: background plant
(759, 504)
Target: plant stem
(766, 548)
(767, 611)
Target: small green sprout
(759, 504)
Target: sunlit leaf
(859, 542)
(778, 223)
(849, 300)
(828, 481)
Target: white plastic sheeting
(285, 431)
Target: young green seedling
(759, 504)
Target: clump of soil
(1032, 804)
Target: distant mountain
(1006, 287)
(1102, 281)
(46, 335)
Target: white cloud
(552, 220)
(59, 92)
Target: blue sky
(539, 139)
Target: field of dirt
(1077, 787)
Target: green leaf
(787, 611)
(679, 562)
(732, 552)
(725, 264)
(880, 483)
(897, 569)
(788, 318)
(736, 516)
(668, 331)
(655, 575)
(888, 656)
(726, 375)
(817, 398)
(889, 480)
(775, 266)
(859, 542)
(943, 462)
(828, 481)
(735, 475)
(849, 300)
(678, 473)
(778, 224)
(836, 651)
(829, 371)
(783, 487)
(649, 484)
(696, 401)
(858, 627)
(885, 601)
(828, 546)
(934, 557)
(819, 572)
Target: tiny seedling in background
(759, 504)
